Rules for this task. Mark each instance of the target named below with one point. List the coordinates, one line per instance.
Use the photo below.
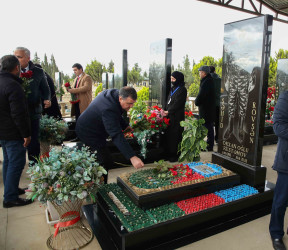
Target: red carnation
(271, 108)
(153, 115)
(152, 126)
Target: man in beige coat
(82, 88)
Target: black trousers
(210, 135)
(77, 110)
(104, 158)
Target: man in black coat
(103, 118)
(280, 199)
(206, 103)
(14, 130)
(39, 90)
(175, 110)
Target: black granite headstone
(282, 76)
(105, 80)
(111, 83)
(245, 72)
(160, 71)
(120, 71)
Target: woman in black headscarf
(175, 110)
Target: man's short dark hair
(128, 92)
(77, 65)
(8, 63)
(212, 69)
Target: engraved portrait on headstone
(246, 52)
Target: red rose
(27, 74)
(166, 121)
(152, 126)
(67, 84)
(186, 113)
(153, 122)
(153, 115)
(271, 108)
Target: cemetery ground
(26, 227)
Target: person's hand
(128, 129)
(27, 141)
(165, 113)
(47, 104)
(136, 162)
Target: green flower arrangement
(192, 139)
(52, 130)
(66, 175)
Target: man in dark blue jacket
(39, 90)
(14, 130)
(103, 118)
(280, 200)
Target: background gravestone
(111, 83)
(58, 83)
(120, 74)
(160, 71)
(282, 76)
(105, 80)
(246, 54)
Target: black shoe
(278, 244)
(75, 139)
(17, 203)
(21, 190)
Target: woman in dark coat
(54, 110)
(175, 110)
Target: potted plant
(192, 139)
(66, 178)
(52, 131)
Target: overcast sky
(80, 31)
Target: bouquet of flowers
(147, 123)
(26, 78)
(52, 130)
(66, 175)
(270, 103)
(73, 96)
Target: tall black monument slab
(120, 73)
(111, 83)
(282, 76)
(105, 80)
(246, 54)
(160, 71)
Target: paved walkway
(26, 227)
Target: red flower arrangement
(156, 118)
(26, 78)
(188, 114)
(184, 174)
(73, 96)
